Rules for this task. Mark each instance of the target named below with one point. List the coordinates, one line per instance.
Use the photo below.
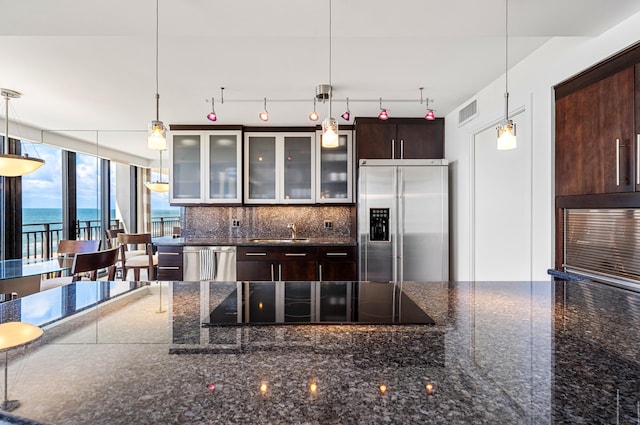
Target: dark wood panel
(609, 200)
(422, 139)
(203, 127)
(374, 139)
(298, 270)
(254, 270)
(611, 65)
(339, 270)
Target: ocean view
(54, 215)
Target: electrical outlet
(328, 224)
(235, 223)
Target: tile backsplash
(268, 221)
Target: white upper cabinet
(279, 168)
(334, 182)
(205, 167)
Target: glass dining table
(22, 276)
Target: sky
(43, 188)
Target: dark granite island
(497, 352)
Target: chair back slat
(69, 247)
(94, 261)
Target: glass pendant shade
(383, 115)
(507, 136)
(17, 165)
(346, 115)
(330, 137)
(211, 116)
(264, 116)
(161, 187)
(157, 139)
(430, 116)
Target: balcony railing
(41, 240)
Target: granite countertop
(216, 241)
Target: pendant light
(158, 186)
(313, 116)
(346, 115)
(330, 138)
(211, 116)
(430, 115)
(383, 115)
(157, 139)
(12, 165)
(264, 115)
(507, 128)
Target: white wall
(530, 87)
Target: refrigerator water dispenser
(379, 224)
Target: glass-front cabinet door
(186, 172)
(279, 168)
(334, 183)
(224, 151)
(205, 166)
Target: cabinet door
(421, 139)
(186, 173)
(224, 153)
(594, 137)
(260, 169)
(375, 139)
(298, 168)
(170, 262)
(256, 270)
(297, 270)
(334, 181)
(337, 263)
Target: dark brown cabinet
(337, 263)
(595, 143)
(276, 263)
(170, 262)
(399, 138)
(297, 263)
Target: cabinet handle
(255, 254)
(617, 162)
(638, 159)
(169, 268)
(320, 272)
(393, 148)
(279, 272)
(337, 254)
(169, 253)
(295, 254)
(272, 274)
(401, 148)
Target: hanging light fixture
(383, 115)
(330, 138)
(507, 128)
(346, 115)
(211, 116)
(264, 115)
(430, 115)
(313, 116)
(12, 165)
(157, 139)
(158, 186)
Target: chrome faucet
(294, 232)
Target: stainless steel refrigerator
(403, 220)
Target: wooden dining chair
(148, 261)
(86, 266)
(67, 248)
(92, 262)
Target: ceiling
(84, 65)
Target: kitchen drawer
(169, 273)
(170, 262)
(169, 258)
(337, 253)
(276, 253)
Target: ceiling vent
(468, 113)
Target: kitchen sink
(279, 240)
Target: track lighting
(507, 128)
(313, 116)
(264, 115)
(430, 115)
(383, 115)
(211, 116)
(346, 115)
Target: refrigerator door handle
(399, 224)
(393, 148)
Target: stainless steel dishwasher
(211, 263)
